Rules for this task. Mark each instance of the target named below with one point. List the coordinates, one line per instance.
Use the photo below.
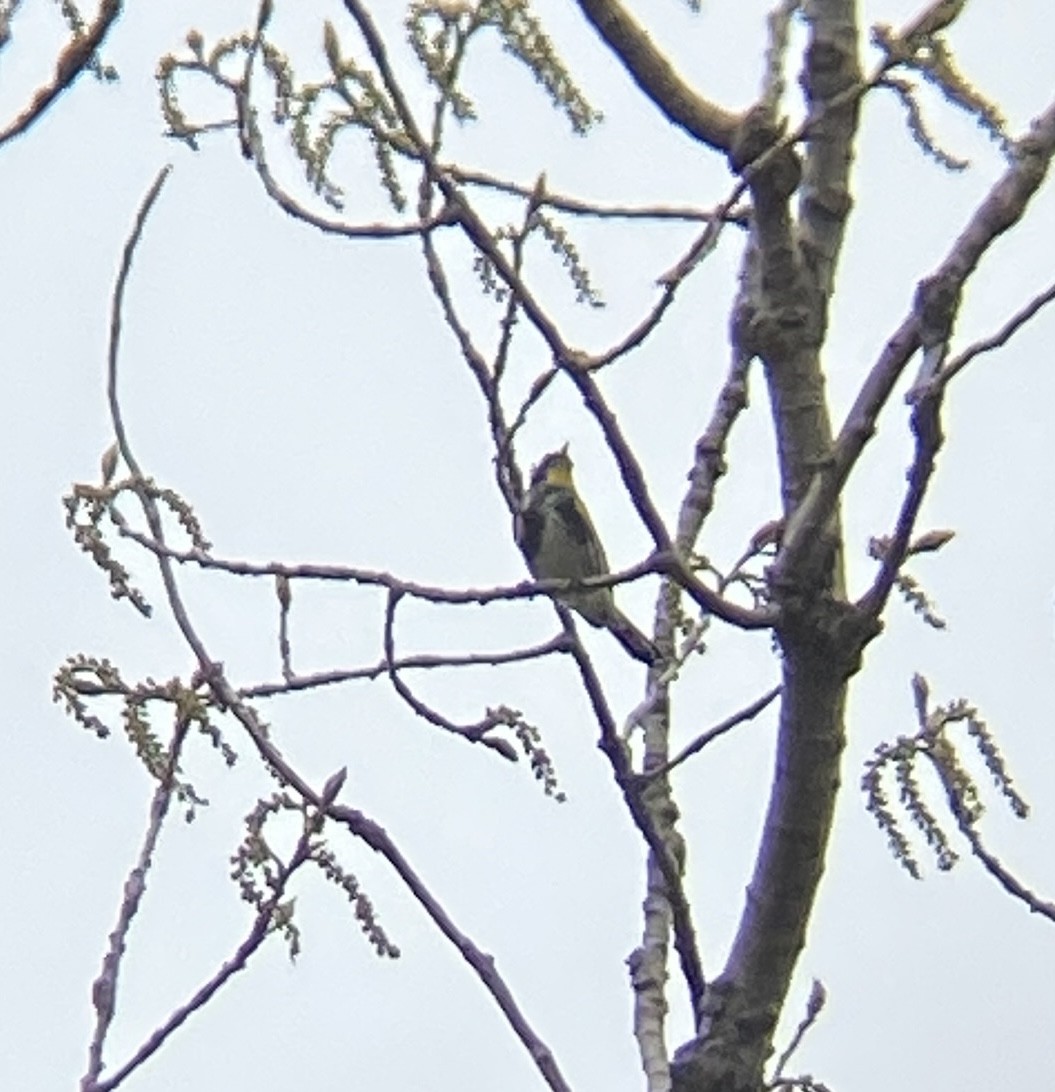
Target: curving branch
(211, 675)
(1003, 875)
(476, 733)
(926, 427)
(482, 964)
(656, 76)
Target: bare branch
(656, 77)
(926, 425)
(709, 461)
(814, 1007)
(482, 964)
(71, 63)
(419, 662)
(264, 923)
(577, 206)
(778, 25)
(285, 598)
(212, 675)
(1003, 206)
(749, 712)
(832, 80)
(667, 564)
(475, 733)
(508, 477)
(996, 341)
(666, 852)
(1003, 876)
(116, 316)
(648, 963)
(935, 17)
(104, 989)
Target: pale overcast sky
(302, 392)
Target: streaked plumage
(560, 543)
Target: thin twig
(478, 732)
(263, 925)
(378, 578)
(926, 425)
(668, 565)
(968, 828)
(482, 964)
(421, 662)
(1007, 881)
(999, 339)
(814, 1007)
(576, 206)
(104, 989)
(747, 713)
(285, 599)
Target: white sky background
(302, 392)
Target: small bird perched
(559, 542)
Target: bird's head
(553, 469)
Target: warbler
(559, 542)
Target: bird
(559, 542)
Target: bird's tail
(632, 639)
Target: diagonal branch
(104, 989)
(420, 662)
(212, 674)
(71, 63)
(1004, 205)
(263, 925)
(1003, 876)
(998, 339)
(482, 964)
(749, 712)
(656, 76)
(926, 425)
(663, 843)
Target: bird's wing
(580, 530)
(529, 531)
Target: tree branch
(71, 63)
(212, 674)
(749, 712)
(104, 989)
(262, 926)
(832, 69)
(1003, 206)
(926, 426)
(656, 77)
(997, 340)
(481, 963)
